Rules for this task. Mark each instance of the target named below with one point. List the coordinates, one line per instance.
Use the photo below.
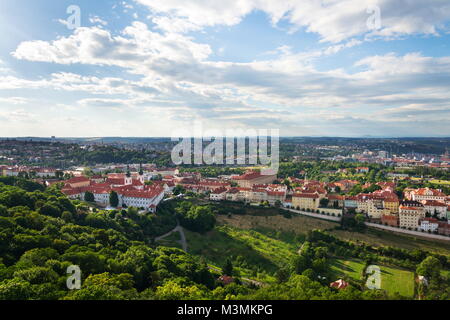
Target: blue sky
(149, 67)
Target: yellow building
(410, 213)
(391, 205)
(376, 212)
(306, 201)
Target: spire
(141, 172)
(128, 171)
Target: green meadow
(393, 280)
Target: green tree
(113, 199)
(172, 290)
(282, 274)
(89, 196)
(179, 189)
(430, 268)
(324, 202)
(228, 268)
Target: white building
(146, 199)
(45, 173)
(433, 207)
(427, 194)
(428, 224)
(218, 194)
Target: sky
(143, 68)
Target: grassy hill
(300, 225)
(254, 254)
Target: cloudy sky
(148, 67)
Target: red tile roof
(340, 284)
(424, 191)
(219, 191)
(433, 203)
(248, 176)
(78, 179)
(306, 195)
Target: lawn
(347, 268)
(397, 280)
(392, 279)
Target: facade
(378, 203)
(218, 194)
(427, 194)
(212, 185)
(78, 182)
(131, 191)
(145, 199)
(351, 202)
(335, 201)
(288, 203)
(410, 213)
(45, 172)
(306, 201)
(271, 196)
(390, 220)
(375, 211)
(433, 207)
(428, 225)
(444, 228)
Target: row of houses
(412, 215)
(15, 171)
(422, 209)
(259, 193)
(130, 189)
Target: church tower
(128, 179)
(141, 174)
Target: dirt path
(182, 240)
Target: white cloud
(171, 24)
(106, 103)
(332, 20)
(13, 100)
(176, 79)
(3, 68)
(18, 115)
(137, 46)
(97, 20)
(63, 22)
